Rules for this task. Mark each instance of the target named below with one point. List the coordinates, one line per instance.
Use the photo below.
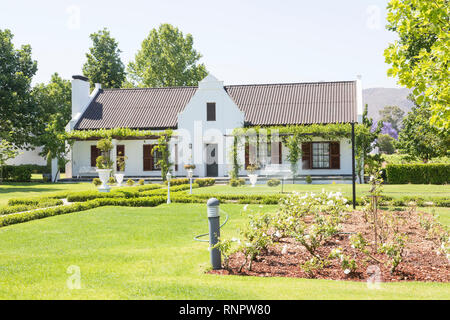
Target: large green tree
(393, 115)
(419, 138)
(420, 58)
(166, 58)
(103, 63)
(53, 100)
(17, 112)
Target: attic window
(211, 111)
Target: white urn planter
(119, 178)
(103, 175)
(253, 179)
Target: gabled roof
(267, 104)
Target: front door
(212, 168)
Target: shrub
(112, 180)
(130, 182)
(308, 179)
(418, 173)
(241, 181)
(20, 173)
(205, 182)
(273, 182)
(234, 183)
(141, 182)
(96, 181)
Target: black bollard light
(214, 231)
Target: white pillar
(55, 172)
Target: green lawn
(396, 191)
(30, 189)
(149, 253)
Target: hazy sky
(241, 42)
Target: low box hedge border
(79, 206)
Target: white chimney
(80, 95)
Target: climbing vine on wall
(292, 137)
(115, 133)
(163, 138)
(163, 147)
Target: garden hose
(196, 238)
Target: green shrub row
(129, 193)
(244, 199)
(205, 182)
(16, 173)
(42, 203)
(178, 181)
(434, 173)
(81, 206)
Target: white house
(203, 119)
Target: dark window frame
(328, 143)
(211, 111)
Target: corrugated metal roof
(297, 103)
(271, 104)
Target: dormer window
(211, 111)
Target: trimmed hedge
(244, 199)
(33, 204)
(205, 182)
(273, 182)
(20, 173)
(434, 173)
(125, 193)
(178, 181)
(76, 207)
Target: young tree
(393, 115)
(421, 56)
(103, 63)
(17, 113)
(54, 104)
(167, 58)
(419, 138)
(385, 143)
(365, 136)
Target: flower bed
(315, 236)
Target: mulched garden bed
(422, 260)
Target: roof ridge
(290, 83)
(146, 88)
(235, 85)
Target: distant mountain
(378, 98)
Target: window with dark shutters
(95, 152)
(306, 155)
(147, 157)
(335, 156)
(211, 111)
(120, 155)
(280, 153)
(247, 155)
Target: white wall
(193, 127)
(134, 163)
(28, 157)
